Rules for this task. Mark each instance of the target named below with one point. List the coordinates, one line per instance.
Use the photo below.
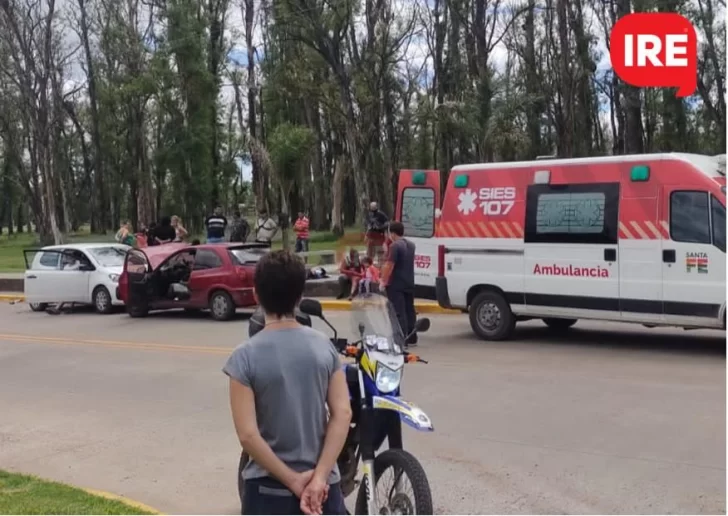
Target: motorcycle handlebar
(351, 350)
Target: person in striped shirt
(301, 229)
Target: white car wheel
(102, 300)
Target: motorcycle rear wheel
(411, 467)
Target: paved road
(611, 419)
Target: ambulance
(638, 238)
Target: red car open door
(139, 288)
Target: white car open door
(50, 277)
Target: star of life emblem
(467, 201)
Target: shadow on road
(607, 337)
(672, 340)
(174, 314)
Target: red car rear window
(247, 256)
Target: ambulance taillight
(440, 260)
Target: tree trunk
(258, 183)
(99, 220)
(337, 195)
(632, 103)
(566, 140)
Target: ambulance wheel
(491, 317)
(559, 324)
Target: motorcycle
(374, 379)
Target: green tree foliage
(129, 109)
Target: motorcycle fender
(410, 413)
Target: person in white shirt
(70, 261)
(265, 228)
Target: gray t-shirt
(289, 371)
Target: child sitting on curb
(370, 279)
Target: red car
(218, 277)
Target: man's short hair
(236, 214)
(280, 277)
(397, 228)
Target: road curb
(122, 499)
(422, 307)
(12, 297)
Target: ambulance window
(418, 212)
(689, 219)
(570, 213)
(718, 222)
(577, 213)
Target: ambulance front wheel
(559, 324)
(491, 317)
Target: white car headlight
(114, 278)
(387, 380)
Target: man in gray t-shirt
(281, 382)
(289, 371)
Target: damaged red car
(214, 277)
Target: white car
(84, 274)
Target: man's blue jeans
(302, 245)
(215, 240)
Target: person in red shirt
(301, 229)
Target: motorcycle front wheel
(403, 465)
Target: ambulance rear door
(571, 236)
(418, 206)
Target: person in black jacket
(376, 224)
(165, 232)
(240, 230)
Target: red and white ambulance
(638, 238)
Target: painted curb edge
(327, 304)
(122, 499)
(423, 307)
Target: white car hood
(114, 270)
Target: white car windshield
(109, 256)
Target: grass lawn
(11, 247)
(12, 259)
(24, 494)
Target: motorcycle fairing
(408, 412)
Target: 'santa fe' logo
(655, 49)
(570, 270)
